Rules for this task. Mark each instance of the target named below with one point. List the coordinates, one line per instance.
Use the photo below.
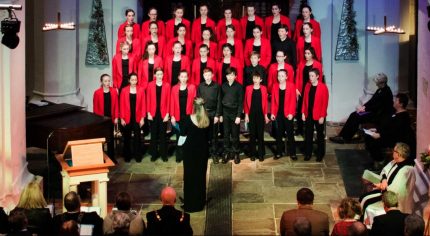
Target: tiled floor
(261, 190)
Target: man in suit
(168, 220)
(393, 222)
(318, 219)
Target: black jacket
(381, 103)
(212, 95)
(232, 98)
(390, 224)
(88, 218)
(168, 221)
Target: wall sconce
(385, 29)
(59, 25)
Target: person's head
(250, 9)
(178, 12)
(183, 76)
(254, 58)
(207, 34)
(208, 75)
(228, 13)
(72, 202)
(401, 101)
(231, 74)
(105, 80)
(414, 225)
(123, 201)
(257, 31)
(177, 48)
(282, 76)
(152, 13)
(125, 47)
(276, 10)
(159, 73)
(230, 31)
(129, 14)
(17, 220)
(283, 31)
(401, 152)
(357, 229)
(149, 50)
(128, 31)
(306, 11)
(168, 196)
(256, 78)
(307, 29)
(153, 27)
(310, 54)
(132, 79)
(280, 56)
(69, 228)
(380, 80)
(32, 196)
(305, 196)
(389, 199)
(227, 50)
(314, 75)
(200, 112)
(203, 50)
(349, 208)
(203, 9)
(181, 30)
(302, 226)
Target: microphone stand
(49, 172)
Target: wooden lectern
(85, 161)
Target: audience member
(72, 203)
(414, 225)
(70, 228)
(318, 219)
(302, 226)
(357, 229)
(124, 219)
(4, 227)
(18, 223)
(168, 220)
(391, 223)
(348, 211)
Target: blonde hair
(200, 112)
(349, 208)
(32, 196)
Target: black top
(256, 48)
(156, 48)
(175, 31)
(224, 73)
(132, 108)
(158, 95)
(397, 129)
(392, 223)
(308, 45)
(232, 98)
(381, 102)
(107, 104)
(124, 73)
(256, 104)
(212, 95)
(150, 72)
(311, 101)
(39, 220)
(288, 47)
(131, 48)
(249, 70)
(176, 68)
(183, 95)
(202, 27)
(306, 70)
(281, 103)
(249, 27)
(3, 222)
(168, 221)
(184, 49)
(88, 218)
(274, 31)
(202, 67)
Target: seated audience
(72, 203)
(18, 223)
(70, 228)
(111, 225)
(357, 229)
(391, 223)
(3, 221)
(168, 220)
(35, 208)
(348, 210)
(302, 226)
(414, 225)
(318, 219)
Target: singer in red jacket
(158, 105)
(283, 109)
(308, 38)
(259, 45)
(273, 22)
(306, 16)
(172, 24)
(199, 64)
(120, 62)
(314, 112)
(134, 43)
(145, 68)
(224, 22)
(174, 64)
(129, 14)
(145, 32)
(249, 21)
(280, 65)
(158, 40)
(203, 22)
(229, 61)
(231, 39)
(187, 45)
(132, 111)
(207, 36)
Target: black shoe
(139, 159)
(164, 159)
(127, 159)
(178, 160)
(261, 158)
(319, 159)
(252, 158)
(225, 158)
(153, 158)
(215, 159)
(337, 139)
(307, 158)
(293, 157)
(236, 158)
(277, 156)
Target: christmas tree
(347, 44)
(97, 52)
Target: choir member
(134, 43)
(158, 40)
(306, 16)
(314, 112)
(273, 22)
(172, 24)
(255, 109)
(146, 66)
(152, 13)
(308, 40)
(122, 65)
(132, 112)
(129, 15)
(260, 45)
(283, 108)
(173, 64)
(224, 22)
(158, 105)
(279, 65)
(200, 64)
(233, 41)
(285, 44)
(201, 23)
(208, 40)
(255, 67)
(187, 45)
(229, 61)
(249, 21)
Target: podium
(85, 161)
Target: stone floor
(261, 190)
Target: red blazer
(244, 20)
(117, 68)
(174, 101)
(161, 45)
(188, 47)
(142, 70)
(151, 99)
(221, 28)
(299, 75)
(248, 99)
(145, 29)
(170, 26)
(268, 25)
(124, 104)
(272, 78)
(99, 105)
(196, 34)
(321, 101)
(300, 48)
(136, 30)
(265, 52)
(289, 100)
(212, 50)
(315, 26)
(195, 70)
(185, 65)
(238, 49)
(233, 63)
(137, 49)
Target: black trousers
(299, 115)
(282, 124)
(309, 134)
(231, 131)
(256, 134)
(352, 124)
(213, 136)
(132, 146)
(111, 144)
(158, 143)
